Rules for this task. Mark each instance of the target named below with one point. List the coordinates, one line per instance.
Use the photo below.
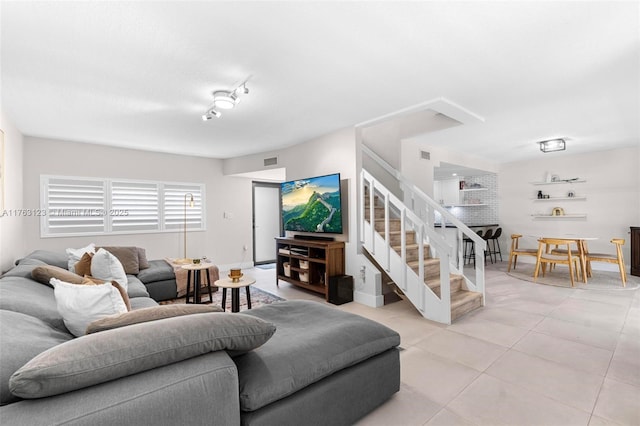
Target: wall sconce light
(553, 145)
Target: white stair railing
(430, 305)
(427, 209)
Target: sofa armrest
(135, 287)
(200, 390)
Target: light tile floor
(534, 355)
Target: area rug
(258, 298)
(267, 266)
(559, 277)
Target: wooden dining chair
(545, 256)
(610, 258)
(517, 251)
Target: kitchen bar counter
(472, 225)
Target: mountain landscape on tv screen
(321, 213)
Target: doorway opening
(267, 221)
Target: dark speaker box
(340, 289)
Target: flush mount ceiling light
(225, 99)
(553, 145)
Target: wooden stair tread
(430, 261)
(463, 296)
(435, 282)
(408, 231)
(410, 246)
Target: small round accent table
(226, 283)
(193, 276)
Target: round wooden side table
(226, 283)
(193, 275)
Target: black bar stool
(495, 244)
(468, 253)
(487, 237)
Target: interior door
(266, 221)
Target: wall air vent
(425, 155)
(270, 161)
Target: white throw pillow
(75, 255)
(80, 305)
(107, 267)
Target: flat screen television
(312, 205)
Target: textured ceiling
(140, 74)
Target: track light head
(210, 114)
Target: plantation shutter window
(134, 206)
(73, 206)
(177, 203)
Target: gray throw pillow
(143, 263)
(101, 357)
(128, 257)
(24, 268)
(148, 314)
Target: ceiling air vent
(425, 155)
(271, 161)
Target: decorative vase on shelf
(540, 195)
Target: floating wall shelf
(558, 182)
(559, 198)
(564, 216)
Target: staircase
(419, 262)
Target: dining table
(581, 244)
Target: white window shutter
(177, 204)
(134, 206)
(74, 206)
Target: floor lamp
(185, 259)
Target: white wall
(612, 189)
(12, 243)
(420, 171)
(328, 154)
(222, 241)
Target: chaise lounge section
(320, 366)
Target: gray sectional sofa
(321, 366)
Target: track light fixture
(225, 99)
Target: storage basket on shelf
(304, 277)
(304, 264)
(287, 269)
